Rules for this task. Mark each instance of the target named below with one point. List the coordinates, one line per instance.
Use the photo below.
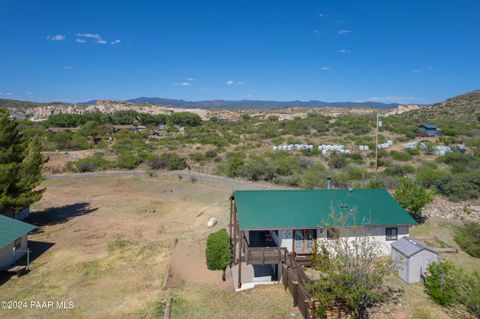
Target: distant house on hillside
(267, 224)
(13, 241)
(429, 130)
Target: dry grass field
(106, 243)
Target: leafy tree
(441, 284)
(21, 166)
(427, 175)
(219, 251)
(413, 197)
(352, 274)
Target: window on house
(17, 243)
(333, 233)
(391, 233)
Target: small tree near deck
(351, 272)
(21, 165)
(413, 197)
(219, 251)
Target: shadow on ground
(37, 249)
(59, 215)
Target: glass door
(304, 240)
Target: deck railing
(294, 279)
(263, 255)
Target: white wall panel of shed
(6, 253)
(401, 264)
(418, 264)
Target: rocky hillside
(465, 107)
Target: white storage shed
(412, 258)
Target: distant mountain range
(255, 104)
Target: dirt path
(188, 267)
(211, 180)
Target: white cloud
(8, 94)
(248, 96)
(68, 67)
(422, 70)
(240, 82)
(322, 15)
(229, 82)
(344, 51)
(344, 32)
(95, 37)
(57, 37)
(326, 68)
(28, 93)
(183, 83)
(190, 79)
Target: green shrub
(401, 156)
(428, 175)
(174, 161)
(468, 238)
(441, 285)
(413, 151)
(470, 294)
(219, 251)
(210, 154)
(398, 170)
(337, 160)
(92, 163)
(197, 157)
(127, 160)
(459, 187)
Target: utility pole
(376, 145)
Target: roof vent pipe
(329, 182)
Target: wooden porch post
(231, 217)
(240, 263)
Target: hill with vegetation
(465, 107)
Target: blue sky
(333, 50)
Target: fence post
(313, 310)
(295, 293)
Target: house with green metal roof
(268, 221)
(13, 240)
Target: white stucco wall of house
(378, 234)
(6, 253)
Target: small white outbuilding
(412, 258)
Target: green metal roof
(276, 209)
(12, 229)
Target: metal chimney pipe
(329, 182)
